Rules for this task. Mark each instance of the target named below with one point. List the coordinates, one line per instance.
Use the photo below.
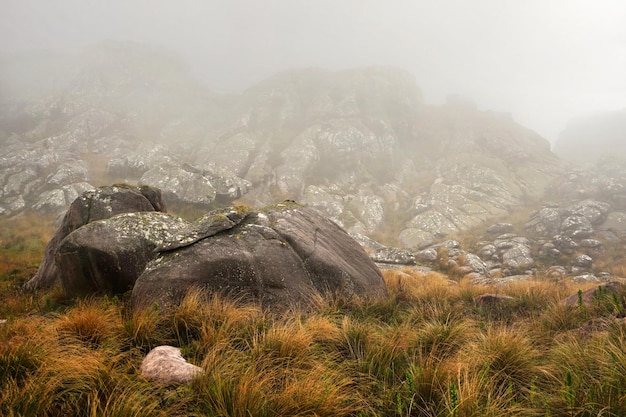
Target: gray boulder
(107, 256)
(545, 222)
(165, 366)
(594, 211)
(489, 253)
(389, 255)
(514, 251)
(577, 227)
(583, 261)
(138, 161)
(69, 172)
(184, 184)
(517, 258)
(279, 256)
(55, 201)
(475, 264)
(93, 205)
(593, 244)
(427, 255)
(564, 243)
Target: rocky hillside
(359, 145)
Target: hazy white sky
(542, 60)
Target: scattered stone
(474, 276)
(427, 255)
(488, 252)
(594, 211)
(591, 243)
(545, 222)
(585, 278)
(513, 278)
(564, 243)
(393, 256)
(517, 258)
(475, 264)
(165, 366)
(583, 261)
(577, 227)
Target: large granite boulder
(107, 256)
(279, 256)
(93, 205)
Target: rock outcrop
(358, 145)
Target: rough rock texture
(93, 205)
(393, 256)
(545, 222)
(107, 256)
(358, 145)
(165, 366)
(279, 256)
(184, 184)
(514, 251)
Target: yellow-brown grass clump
(427, 349)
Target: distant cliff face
(586, 139)
(358, 145)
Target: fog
(543, 61)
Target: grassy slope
(427, 349)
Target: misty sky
(545, 61)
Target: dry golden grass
(425, 350)
(90, 321)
